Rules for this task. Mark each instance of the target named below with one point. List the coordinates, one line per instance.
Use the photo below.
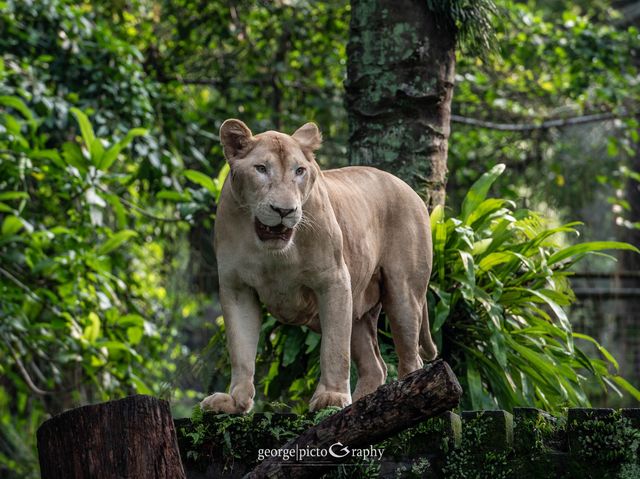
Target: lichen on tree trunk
(399, 86)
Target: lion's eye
(300, 171)
(261, 168)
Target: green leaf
(13, 195)
(555, 307)
(92, 330)
(481, 246)
(437, 216)
(112, 153)
(612, 147)
(478, 192)
(540, 238)
(498, 347)
(97, 151)
(292, 347)
(495, 259)
(115, 241)
(485, 209)
(219, 181)
(626, 385)
(17, 104)
(134, 320)
(474, 381)
(85, 127)
(171, 195)
(202, 180)
(442, 309)
(140, 385)
(536, 360)
(589, 247)
(11, 225)
(52, 155)
(311, 341)
(12, 125)
(115, 346)
(72, 154)
(118, 209)
(134, 334)
(602, 350)
(439, 233)
(469, 267)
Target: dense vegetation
(110, 169)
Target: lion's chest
(285, 296)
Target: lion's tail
(428, 349)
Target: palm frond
(471, 20)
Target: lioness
(325, 249)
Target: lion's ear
(236, 138)
(308, 135)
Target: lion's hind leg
(372, 371)
(428, 349)
(403, 304)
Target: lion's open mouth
(280, 232)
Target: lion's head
(272, 175)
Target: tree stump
(393, 407)
(129, 438)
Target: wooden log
(133, 437)
(393, 407)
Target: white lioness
(325, 249)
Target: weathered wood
(129, 438)
(393, 407)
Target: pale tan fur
(361, 243)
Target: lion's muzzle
(278, 232)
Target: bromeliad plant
(498, 297)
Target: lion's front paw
(326, 399)
(222, 402)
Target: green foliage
(61, 53)
(538, 434)
(430, 435)
(467, 464)
(607, 441)
(83, 309)
(471, 20)
(477, 455)
(276, 65)
(498, 300)
(554, 60)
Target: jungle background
(110, 169)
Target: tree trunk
(130, 438)
(400, 75)
(392, 408)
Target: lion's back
(369, 197)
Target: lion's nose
(282, 211)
